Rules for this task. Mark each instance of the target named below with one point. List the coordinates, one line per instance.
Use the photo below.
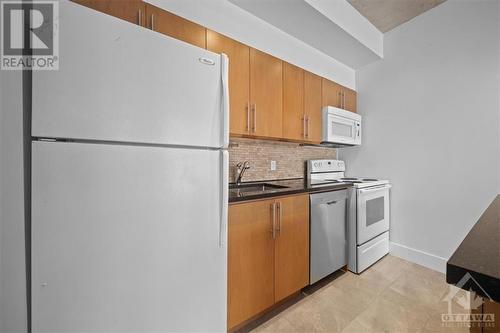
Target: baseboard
(419, 257)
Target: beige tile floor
(391, 296)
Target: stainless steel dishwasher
(328, 233)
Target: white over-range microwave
(341, 127)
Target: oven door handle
(373, 189)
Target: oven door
(343, 130)
(373, 212)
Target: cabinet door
(294, 123)
(250, 260)
(265, 94)
(331, 93)
(174, 26)
(313, 106)
(239, 79)
(292, 246)
(128, 10)
(350, 100)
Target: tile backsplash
(290, 158)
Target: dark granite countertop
(479, 255)
(293, 186)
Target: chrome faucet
(241, 167)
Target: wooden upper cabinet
(338, 96)
(331, 93)
(313, 106)
(350, 100)
(265, 94)
(250, 260)
(294, 121)
(292, 246)
(128, 10)
(239, 79)
(175, 26)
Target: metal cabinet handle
(139, 17)
(331, 202)
(280, 217)
(307, 127)
(247, 128)
(273, 212)
(254, 125)
(304, 126)
(153, 22)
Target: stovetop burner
(331, 172)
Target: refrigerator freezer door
(121, 82)
(127, 238)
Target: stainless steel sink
(259, 187)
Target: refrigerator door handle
(225, 100)
(225, 198)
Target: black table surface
(293, 186)
(479, 255)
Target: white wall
(229, 19)
(431, 126)
(12, 263)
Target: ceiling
(385, 15)
(316, 27)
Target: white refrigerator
(129, 182)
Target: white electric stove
(367, 206)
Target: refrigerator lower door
(127, 238)
(121, 82)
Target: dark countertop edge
(284, 192)
(489, 287)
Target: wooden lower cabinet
(268, 254)
(291, 246)
(250, 260)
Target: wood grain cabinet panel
(268, 254)
(331, 93)
(133, 11)
(239, 79)
(313, 106)
(294, 120)
(175, 26)
(350, 103)
(292, 246)
(250, 260)
(265, 94)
